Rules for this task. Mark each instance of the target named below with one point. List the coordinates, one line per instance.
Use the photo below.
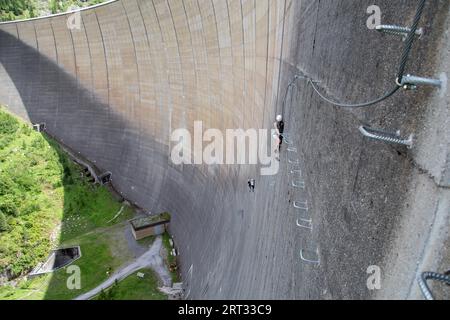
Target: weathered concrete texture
(136, 70)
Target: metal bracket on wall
(386, 136)
(39, 127)
(301, 205)
(410, 82)
(305, 223)
(398, 31)
(298, 184)
(303, 253)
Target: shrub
(17, 9)
(9, 208)
(3, 222)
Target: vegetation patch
(46, 202)
(135, 288)
(25, 9)
(171, 261)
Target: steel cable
(431, 276)
(403, 62)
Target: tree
(17, 9)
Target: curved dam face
(114, 81)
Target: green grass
(135, 288)
(58, 6)
(45, 203)
(31, 195)
(96, 261)
(171, 260)
(102, 250)
(146, 242)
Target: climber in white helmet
(279, 130)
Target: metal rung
(296, 172)
(298, 184)
(386, 136)
(292, 149)
(398, 31)
(308, 225)
(301, 205)
(287, 139)
(302, 256)
(410, 82)
(297, 161)
(288, 142)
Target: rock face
(125, 75)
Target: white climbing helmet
(279, 118)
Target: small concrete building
(150, 226)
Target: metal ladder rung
(298, 184)
(302, 256)
(301, 205)
(309, 224)
(386, 136)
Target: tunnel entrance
(57, 259)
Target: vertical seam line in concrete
(35, 35)
(231, 50)
(148, 43)
(104, 55)
(206, 57)
(244, 58)
(17, 31)
(255, 57)
(74, 56)
(18, 37)
(57, 62)
(169, 91)
(90, 56)
(281, 56)
(167, 87)
(76, 64)
(193, 56)
(157, 103)
(139, 82)
(37, 48)
(267, 65)
(220, 59)
(135, 54)
(315, 29)
(157, 19)
(179, 58)
(54, 41)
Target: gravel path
(150, 259)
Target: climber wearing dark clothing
(279, 127)
(251, 185)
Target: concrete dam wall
(128, 73)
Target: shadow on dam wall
(234, 244)
(141, 168)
